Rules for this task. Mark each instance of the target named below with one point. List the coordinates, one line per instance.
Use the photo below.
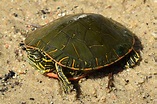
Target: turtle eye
(37, 55)
(34, 55)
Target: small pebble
(155, 58)
(31, 99)
(146, 60)
(154, 34)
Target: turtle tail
(133, 58)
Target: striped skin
(38, 59)
(67, 86)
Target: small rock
(146, 60)
(154, 34)
(155, 58)
(31, 99)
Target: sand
(24, 85)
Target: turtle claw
(67, 89)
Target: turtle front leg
(66, 85)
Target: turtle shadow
(110, 70)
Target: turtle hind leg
(133, 58)
(65, 84)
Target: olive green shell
(82, 41)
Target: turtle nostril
(21, 44)
(24, 48)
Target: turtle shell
(82, 41)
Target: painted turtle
(74, 44)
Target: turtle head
(34, 55)
(40, 60)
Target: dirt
(21, 84)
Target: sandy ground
(136, 85)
